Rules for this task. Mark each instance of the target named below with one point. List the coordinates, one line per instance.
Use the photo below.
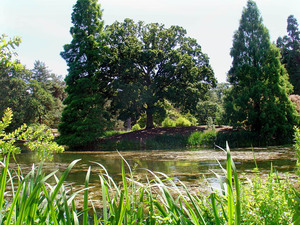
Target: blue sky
(44, 25)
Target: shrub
(182, 122)
(202, 138)
(192, 119)
(195, 138)
(209, 138)
(168, 122)
(136, 127)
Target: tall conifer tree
(83, 117)
(260, 88)
(290, 52)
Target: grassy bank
(174, 139)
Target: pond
(186, 165)
(195, 168)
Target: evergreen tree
(258, 99)
(83, 117)
(290, 52)
(40, 72)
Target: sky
(44, 25)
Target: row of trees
(125, 70)
(134, 71)
(128, 69)
(35, 96)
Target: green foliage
(297, 146)
(47, 93)
(168, 122)
(42, 102)
(206, 139)
(182, 122)
(39, 139)
(110, 133)
(136, 127)
(33, 95)
(195, 138)
(153, 63)
(7, 52)
(212, 105)
(258, 99)
(84, 118)
(160, 200)
(34, 200)
(192, 119)
(290, 52)
(210, 123)
(269, 201)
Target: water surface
(189, 166)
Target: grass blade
(85, 201)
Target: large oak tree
(150, 63)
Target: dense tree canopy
(83, 117)
(260, 87)
(290, 52)
(32, 98)
(149, 63)
(212, 105)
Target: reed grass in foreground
(30, 199)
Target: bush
(182, 122)
(202, 138)
(136, 127)
(192, 119)
(168, 122)
(209, 138)
(195, 138)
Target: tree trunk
(149, 123)
(129, 124)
